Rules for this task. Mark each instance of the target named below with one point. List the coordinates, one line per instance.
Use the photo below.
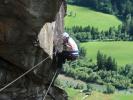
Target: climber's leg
(65, 55)
(60, 60)
(70, 55)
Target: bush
(88, 90)
(82, 52)
(93, 77)
(110, 89)
(104, 62)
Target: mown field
(82, 16)
(77, 95)
(121, 51)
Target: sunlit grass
(85, 16)
(121, 51)
(75, 95)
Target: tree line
(106, 63)
(89, 33)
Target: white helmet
(65, 34)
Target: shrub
(110, 89)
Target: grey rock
(29, 30)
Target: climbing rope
(50, 84)
(9, 84)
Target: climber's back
(70, 51)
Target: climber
(70, 49)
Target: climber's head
(65, 36)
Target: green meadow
(121, 51)
(82, 16)
(74, 94)
(77, 95)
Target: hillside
(104, 36)
(121, 51)
(82, 16)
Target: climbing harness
(9, 84)
(50, 84)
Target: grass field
(85, 17)
(122, 97)
(77, 95)
(74, 94)
(121, 51)
(116, 96)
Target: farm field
(82, 16)
(77, 95)
(121, 51)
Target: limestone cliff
(28, 31)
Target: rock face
(29, 29)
